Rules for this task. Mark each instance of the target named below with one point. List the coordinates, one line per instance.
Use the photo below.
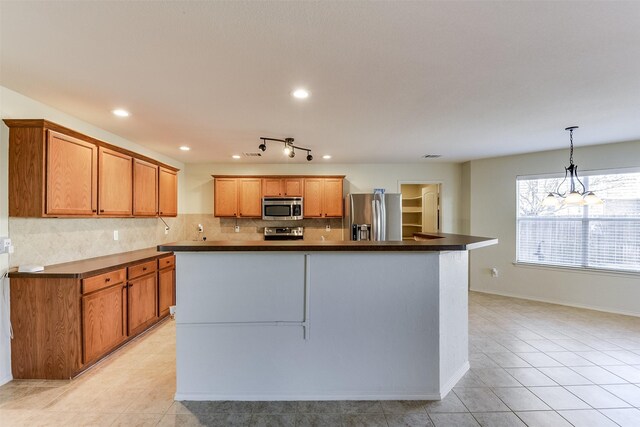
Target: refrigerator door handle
(382, 217)
(373, 233)
(378, 231)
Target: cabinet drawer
(141, 269)
(95, 283)
(167, 262)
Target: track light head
(292, 154)
(309, 157)
(262, 147)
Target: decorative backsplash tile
(47, 241)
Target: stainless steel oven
(282, 208)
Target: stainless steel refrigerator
(374, 216)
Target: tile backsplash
(47, 241)
(252, 229)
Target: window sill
(582, 270)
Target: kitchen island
(322, 320)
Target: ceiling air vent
(252, 154)
(431, 156)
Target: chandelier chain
(571, 152)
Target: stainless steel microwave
(282, 208)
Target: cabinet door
(145, 188)
(292, 187)
(166, 290)
(167, 192)
(102, 321)
(313, 188)
(72, 176)
(225, 197)
(142, 302)
(271, 187)
(115, 183)
(333, 197)
(250, 197)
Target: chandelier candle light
(574, 197)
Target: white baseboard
(550, 301)
(451, 383)
(271, 397)
(6, 379)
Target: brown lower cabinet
(166, 288)
(142, 302)
(103, 320)
(62, 325)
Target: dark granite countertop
(92, 266)
(432, 242)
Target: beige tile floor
(532, 364)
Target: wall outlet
(5, 245)
(115, 235)
(166, 230)
(200, 228)
(327, 228)
(494, 272)
(236, 228)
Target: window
(605, 236)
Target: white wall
(16, 106)
(359, 178)
(5, 355)
(493, 213)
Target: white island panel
(372, 320)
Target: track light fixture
(289, 149)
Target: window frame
(584, 224)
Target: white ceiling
(390, 81)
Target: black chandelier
(574, 195)
(289, 149)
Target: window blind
(605, 236)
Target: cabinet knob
(130, 285)
(101, 210)
(108, 279)
(160, 213)
(144, 268)
(93, 210)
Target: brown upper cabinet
(241, 196)
(72, 176)
(115, 183)
(58, 172)
(225, 197)
(323, 197)
(167, 192)
(238, 197)
(145, 188)
(282, 187)
(250, 197)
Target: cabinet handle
(130, 285)
(101, 210)
(108, 279)
(93, 210)
(160, 213)
(144, 268)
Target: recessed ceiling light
(121, 113)
(185, 148)
(235, 156)
(326, 156)
(300, 93)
